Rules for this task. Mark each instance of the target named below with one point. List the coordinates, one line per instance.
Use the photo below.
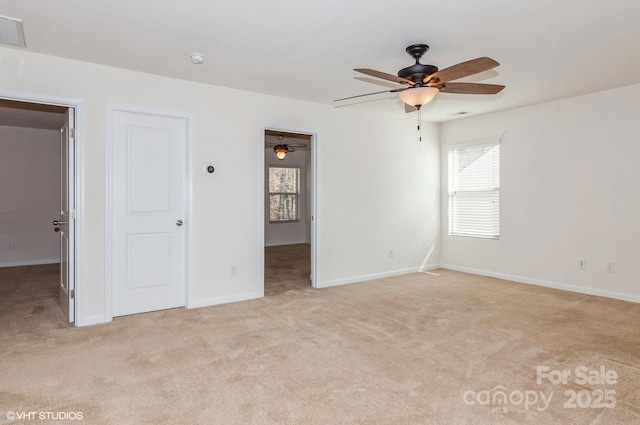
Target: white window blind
(474, 190)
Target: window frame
(456, 227)
(296, 194)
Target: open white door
(65, 224)
(148, 210)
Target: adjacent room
(319, 212)
(289, 188)
(30, 188)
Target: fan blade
(471, 88)
(369, 94)
(463, 69)
(384, 76)
(289, 146)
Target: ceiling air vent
(11, 32)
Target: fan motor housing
(417, 72)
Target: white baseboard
(270, 245)
(546, 283)
(225, 300)
(30, 262)
(92, 320)
(99, 319)
(375, 276)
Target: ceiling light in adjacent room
(281, 151)
(11, 31)
(197, 58)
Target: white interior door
(148, 212)
(65, 224)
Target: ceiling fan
(282, 149)
(420, 83)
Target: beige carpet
(425, 348)
(286, 268)
(29, 300)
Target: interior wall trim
(206, 302)
(364, 278)
(546, 283)
(30, 262)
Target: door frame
(77, 241)
(314, 203)
(110, 108)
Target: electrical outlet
(582, 264)
(392, 253)
(234, 271)
(611, 267)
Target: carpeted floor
(427, 348)
(286, 268)
(29, 300)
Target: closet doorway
(37, 265)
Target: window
(284, 189)
(474, 190)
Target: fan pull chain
(419, 123)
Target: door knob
(179, 223)
(58, 222)
(56, 229)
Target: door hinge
(72, 294)
(72, 133)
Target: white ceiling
(307, 49)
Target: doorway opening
(36, 178)
(289, 219)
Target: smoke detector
(197, 58)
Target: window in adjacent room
(284, 193)
(474, 190)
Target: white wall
(288, 233)
(377, 189)
(29, 195)
(569, 192)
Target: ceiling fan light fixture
(418, 96)
(281, 151)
